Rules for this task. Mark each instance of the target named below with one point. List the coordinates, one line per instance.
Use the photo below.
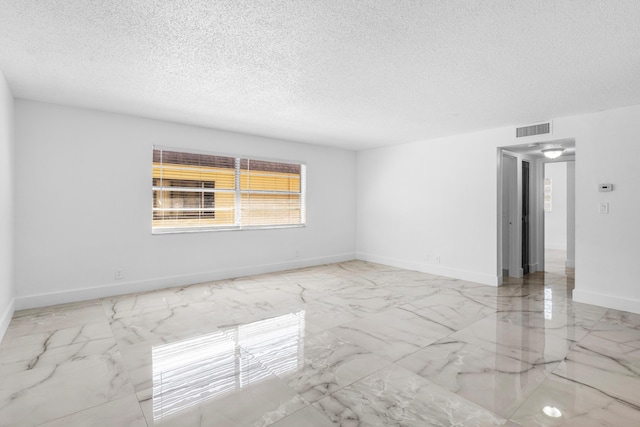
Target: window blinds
(199, 191)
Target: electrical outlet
(118, 274)
(438, 259)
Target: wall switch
(118, 275)
(604, 208)
(605, 187)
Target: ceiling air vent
(537, 129)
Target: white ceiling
(354, 74)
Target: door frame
(514, 215)
(536, 214)
(536, 240)
(525, 202)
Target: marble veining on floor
(349, 344)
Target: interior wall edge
(7, 204)
(471, 276)
(5, 318)
(605, 300)
(86, 294)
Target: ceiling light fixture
(552, 153)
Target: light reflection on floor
(189, 372)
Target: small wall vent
(537, 129)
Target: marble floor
(350, 344)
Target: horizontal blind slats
(192, 190)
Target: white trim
(54, 298)
(556, 246)
(6, 317)
(218, 228)
(515, 215)
(609, 301)
(484, 279)
(538, 196)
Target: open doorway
(559, 217)
(522, 200)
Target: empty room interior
(291, 213)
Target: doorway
(521, 219)
(559, 217)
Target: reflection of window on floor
(548, 303)
(189, 372)
(198, 191)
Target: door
(510, 218)
(525, 217)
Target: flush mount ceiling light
(552, 153)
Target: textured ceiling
(354, 74)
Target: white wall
(439, 198)
(6, 206)
(555, 222)
(431, 206)
(83, 203)
(607, 249)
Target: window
(547, 194)
(198, 191)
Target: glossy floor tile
(349, 344)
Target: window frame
(238, 195)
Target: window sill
(181, 230)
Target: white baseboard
(605, 300)
(558, 246)
(439, 270)
(570, 263)
(5, 317)
(74, 295)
